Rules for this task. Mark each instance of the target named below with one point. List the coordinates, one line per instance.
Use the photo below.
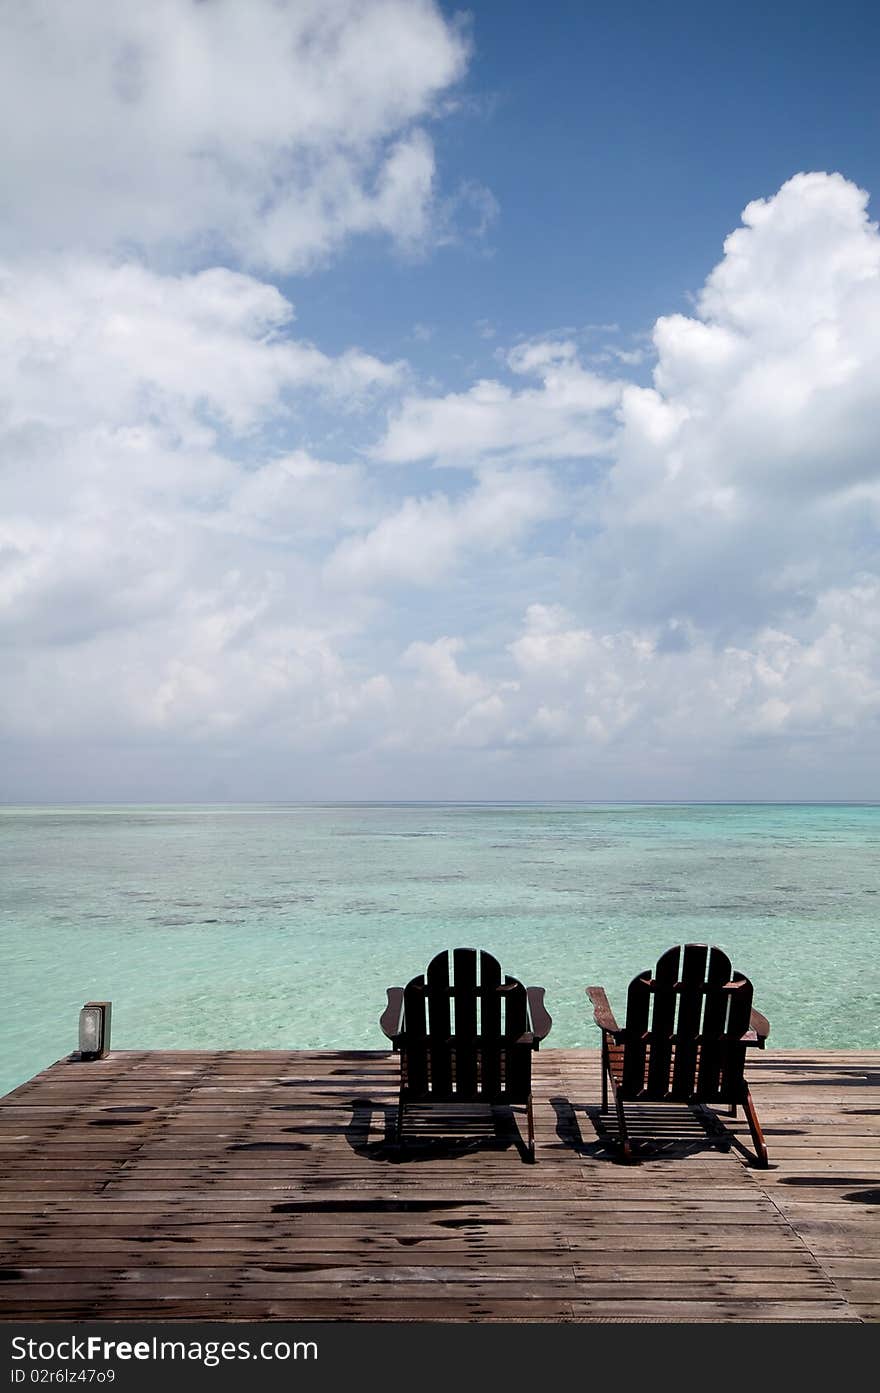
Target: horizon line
(449, 802)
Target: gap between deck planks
(257, 1185)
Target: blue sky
(410, 403)
(622, 143)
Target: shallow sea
(281, 926)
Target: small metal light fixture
(94, 1030)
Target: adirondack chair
(687, 1031)
(485, 1056)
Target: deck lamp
(94, 1030)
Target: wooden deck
(257, 1186)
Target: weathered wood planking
(255, 1185)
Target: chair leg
(530, 1123)
(760, 1145)
(625, 1142)
(731, 1111)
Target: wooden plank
(253, 1189)
(320, 1255)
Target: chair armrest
(391, 1020)
(759, 1029)
(602, 1012)
(538, 1014)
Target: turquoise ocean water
(280, 927)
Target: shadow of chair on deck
(480, 1131)
(656, 1134)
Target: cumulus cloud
(117, 343)
(595, 697)
(270, 132)
(745, 479)
(778, 685)
(561, 419)
(728, 576)
(219, 667)
(652, 585)
(295, 499)
(423, 539)
(134, 413)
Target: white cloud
(605, 685)
(745, 480)
(298, 498)
(114, 344)
(602, 695)
(217, 668)
(270, 131)
(423, 539)
(564, 418)
(186, 564)
(122, 393)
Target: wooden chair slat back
(715, 1013)
(518, 1059)
(439, 1029)
(638, 1006)
(465, 978)
(733, 1060)
(459, 1030)
(664, 1002)
(491, 1075)
(687, 1027)
(684, 1026)
(414, 1059)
